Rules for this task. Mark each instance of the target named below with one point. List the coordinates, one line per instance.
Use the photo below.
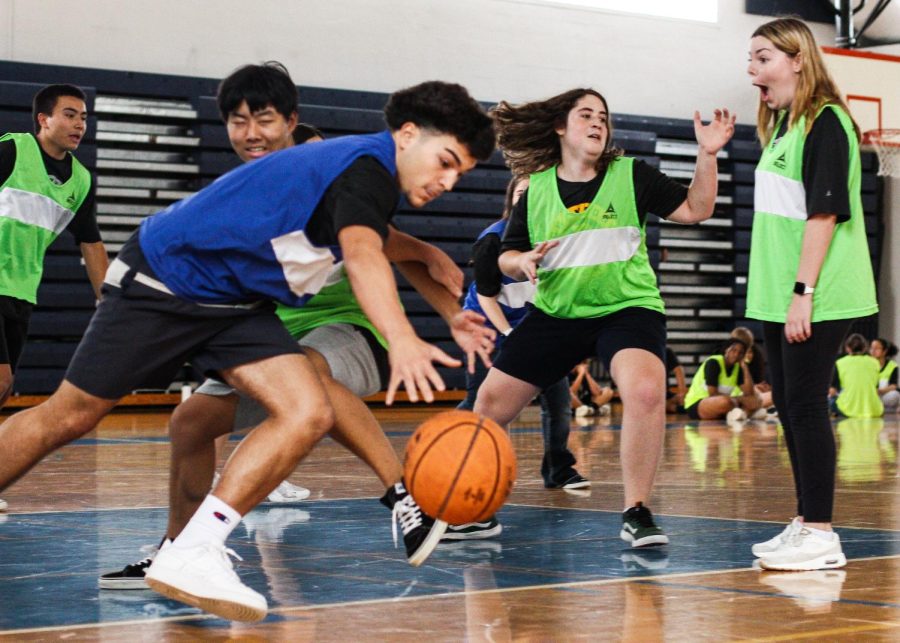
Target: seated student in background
(588, 397)
(756, 362)
(710, 395)
(675, 399)
(854, 386)
(883, 351)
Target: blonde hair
(815, 86)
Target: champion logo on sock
(222, 517)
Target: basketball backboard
(870, 82)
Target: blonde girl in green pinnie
(810, 271)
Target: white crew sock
(213, 522)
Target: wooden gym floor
(558, 572)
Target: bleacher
(154, 139)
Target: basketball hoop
(887, 145)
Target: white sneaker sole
(230, 610)
(122, 583)
(475, 535)
(4, 505)
(830, 561)
(427, 547)
(646, 541)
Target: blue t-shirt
(243, 237)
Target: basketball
(460, 467)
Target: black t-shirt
(363, 194)
(711, 371)
(654, 193)
(83, 225)
(826, 166)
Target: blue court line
(338, 551)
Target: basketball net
(887, 145)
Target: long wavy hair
(815, 85)
(527, 135)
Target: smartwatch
(801, 288)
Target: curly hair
(446, 108)
(527, 135)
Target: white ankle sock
(213, 522)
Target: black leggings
(801, 374)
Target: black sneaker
(421, 533)
(639, 529)
(132, 576)
(575, 481)
(474, 530)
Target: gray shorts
(350, 357)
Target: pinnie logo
(222, 517)
(610, 213)
(781, 162)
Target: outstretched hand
(411, 365)
(717, 133)
(469, 332)
(529, 261)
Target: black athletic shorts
(140, 336)
(543, 349)
(14, 316)
(693, 410)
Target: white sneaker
(583, 411)
(772, 544)
(759, 414)
(605, 409)
(203, 577)
(805, 551)
(287, 492)
(3, 505)
(736, 415)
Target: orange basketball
(460, 467)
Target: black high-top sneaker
(132, 576)
(421, 533)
